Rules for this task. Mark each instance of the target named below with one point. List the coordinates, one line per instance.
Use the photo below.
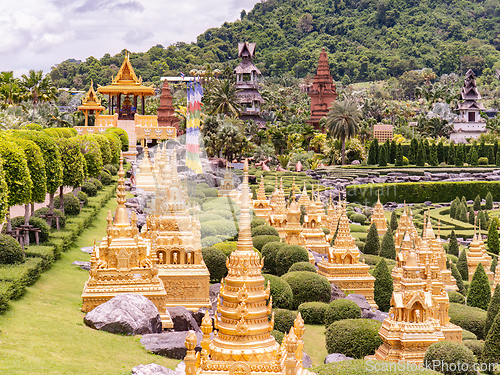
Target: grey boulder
(306, 361)
(152, 369)
(337, 293)
(169, 344)
(83, 265)
(336, 357)
(129, 314)
(367, 312)
(183, 319)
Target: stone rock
(360, 300)
(375, 315)
(87, 249)
(181, 368)
(169, 344)
(130, 314)
(213, 295)
(83, 265)
(152, 369)
(198, 315)
(183, 319)
(337, 293)
(306, 361)
(336, 357)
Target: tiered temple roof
(166, 111)
(378, 217)
(477, 254)
(261, 204)
(470, 93)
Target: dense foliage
(307, 287)
(354, 338)
(446, 353)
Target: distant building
(166, 111)
(323, 91)
(383, 132)
(469, 123)
(246, 82)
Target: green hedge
(6, 291)
(308, 287)
(287, 256)
(313, 312)
(280, 291)
(46, 253)
(302, 266)
(470, 318)
(22, 275)
(354, 338)
(283, 319)
(341, 309)
(447, 353)
(418, 192)
(260, 241)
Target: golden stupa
(293, 227)
(160, 160)
(477, 254)
(227, 186)
(411, 327)
(243, 344)
(378, 217)
(304, 199)
(123, 263)
(343, 267)
(314, 238)
(332, 218)
(261, 204)
(406, 225)
(145, 179)
(175, 240)
(401, 256)
(277, 217)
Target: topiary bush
(313, 312)
(278, 336)
(479, 293)
(467, 335)
(372, 245)
(280, 291)
(62, 217)
(260, 241)
(83, 198)
(283, 319)
(269, 252)
(106, 178)
(111, 169)
(307, 287)
(341, 309)
(287, 256)
(383, 286)
(10, 250)
(216, 263)
(493, 310)
(445, 356)
(41, 224)
(358, 218)
(90, 189)
(354, 338)
(71, 204)
(469, 318)
(475, 346)
(257, 222)
(456, 297)
(302, 266)
(491, 352)
(97, 183)
(264, 230)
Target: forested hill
(366, 40)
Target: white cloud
(38, 34)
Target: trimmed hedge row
(419, 192)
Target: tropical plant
(39, 87)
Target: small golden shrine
(343, 267)
(410, 328)
(378, 217)
(227, 187)
(123, 263)
(145, 179)
(160, 160)
(440, 255)
(293, 227)
(277, 218)
(261, 204)
(91, 103)
(477, 254)
(304, 199)
(332, 219)
(313, 236)
(406, 225)
(243, 344)
(175, 240)
(397, 272)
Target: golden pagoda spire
(262, 190)
(121, 215)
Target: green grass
(314, 343)
(44, 333)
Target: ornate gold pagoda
(91, 104)
(406, 225)
(343, 267)
(304, 199)
(411, 327)
(440, 256)
(293, 227)
(227, 187)
(477, 254)
(277, 218)
(378, 217)
(313, 236)
(261, 204)
(123, 263)
(243, 344)
(145, 179)
(175, 240)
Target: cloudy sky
(37, 34)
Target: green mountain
(366, 39)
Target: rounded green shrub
(269, 252)
(483, 161)
(280, 291)
(289, 255)
(257, 222)
(41, 224)
(456, 297)
(358, 218)
(90, 189)
(71, 204)
(210, 241)
(308, 287)
(216, 263)
(354, 338)
(313, 312)
(302, 266)
(466, 335)
(341, 309)
(283, 319)
(475, 346)
(83, 197)
(227, 215)
(106, 178)
(10, 250)
(278, 336)
(97, 183)
(264, 230)
(223, 228)
(111, 169)
(469, 318)
(446, 355)
(62, 217)
(260, 241)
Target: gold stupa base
(186, 285)
(351, 278)
(146, 183)
(452, 332)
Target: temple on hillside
(226, 188)
(378, 217)
(343, 267)
(411, 327)
(243, 344)
(323, 92)
(175, 240)
(91, 104)
(261, 204)
(166, 111)
(247, 85)
(477, 254)
(145, 178)
(469, 123)
(123, 263)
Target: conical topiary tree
(474, 158)
(372, 245)
(455, 203)
(462, 213)
(392, 156)
(479, 293)
(382, 156)
(451, 154)
(458, 278)
(472, 216)
(477, 203)
(420, 161)
(453, 248)
(399, 156)
(383, 286)
(440, 151)
(462, 266)
(494, 264)
(412, 155)
(491, 156)
(493, 241)
(493, 309)
(433, 158)
(464, 201)
(491, 351)
(394, 221)
(388, 247)
(459, 156)
(489, 202)
(373, 152)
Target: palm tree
(40, 87)
(342, 121)
(223, 98)
(10, 89)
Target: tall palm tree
(342, 121)
(223, 98)
(40, 88)
(10, 89)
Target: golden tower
(145, 178)
(261, 204)
(343, 267)
(378, 217)
(313, 236)
(304, 199)
(332, 219)
(277, 217)
(227, 187)
(293, 227)
(123, 263)
(243, 343)
(477, 254)
(410, 328)
(437, 247)
(406, 225)
(175, 240)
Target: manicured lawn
(43, 332)
(314, 343)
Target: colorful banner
(193, 120)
